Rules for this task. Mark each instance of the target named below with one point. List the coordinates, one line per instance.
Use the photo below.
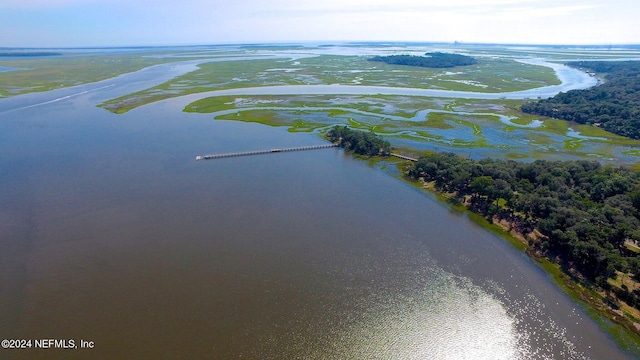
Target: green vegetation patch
(266, 117)
(478, 127)
(581, 213)
(595, 131)
(555, 126)
(595, 304)
(431, 60)
(489, 75)
(633, 152)
(437, 121)
(572, 144)
(210, 76)
(613, 105)
(524, 119)
(43, 74)
(359, 142)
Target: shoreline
(615, 323)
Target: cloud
(203, 21)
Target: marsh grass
(498, 74)
(594, 131)
(437, 121)
(524, 119)
(43, 74)
(554, 126)
(393, 116)
(209, 76)
(573, 144)
(534, 143)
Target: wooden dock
(404, 157)
(261, 152)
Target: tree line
(359, 142)
(613, 106)
(583, 212)
(431, 60)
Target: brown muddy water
(112, 233)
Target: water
(112, 233)
(129, 83)
(8, 68)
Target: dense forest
(431, 60)
(613, 106)
(359, 142)
(583, 214)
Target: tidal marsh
(424, 124)
(489, 75)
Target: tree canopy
(431, 60)
(359, 142)
(613, 106)
(587, 213)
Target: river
(112, 233)
(570, 79)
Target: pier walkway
(404, 157)
(260, 152)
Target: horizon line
(322, 42)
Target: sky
(78, 23)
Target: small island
(430, 60)
(359, 142)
